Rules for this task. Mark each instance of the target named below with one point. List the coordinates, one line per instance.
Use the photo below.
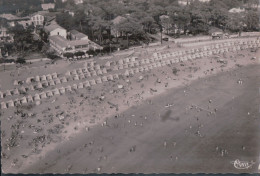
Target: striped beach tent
(43, 95)
(10, 103)
(36, 97)
(3, 105)
(116, 76)
(98, 80)
(75, 86)
(92, 82)
(56, 91)
(104, 78)
(68, 88)
(62, 90)
(43, 78)
(23, 100)
(54, 75)
(49, 94)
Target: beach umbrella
(43, 95)
(125, 65)
(141, 69)
(3, 105)
(1, 95)
(68, 73)
(62, 90)
(136, 64)
(158, 64)
(127, 60)
(56, 91)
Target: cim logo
(242, 164)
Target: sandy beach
(183, 117)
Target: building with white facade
(55, 29)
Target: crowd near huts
(93, 73)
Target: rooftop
(12, 17)
(52, 27)
(65, 43)
(78, 34)
(118, 20)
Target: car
(165, 39)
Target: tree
(129, 27)
(235, 23)
(252, 20)
(21, 60)
(23, 38)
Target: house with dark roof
(13, 20)
(62, 45)
(76, 35)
